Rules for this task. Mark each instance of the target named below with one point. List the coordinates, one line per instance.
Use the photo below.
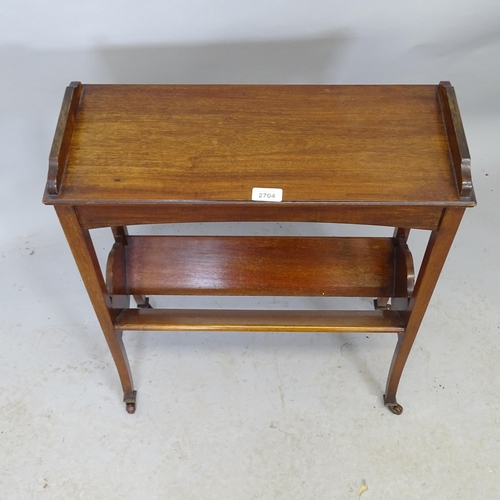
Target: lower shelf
(254, 265)
(384, 321)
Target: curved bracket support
(405, 270)
(116, 277)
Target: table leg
(437, 249)
(81, 246)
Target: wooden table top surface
(319, 143)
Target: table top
(318, 143)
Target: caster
(130, 402)
(394, 407)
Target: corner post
(435, 255)
(83, 250)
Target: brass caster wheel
(130, 402)
(396, 409)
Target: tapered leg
(83, 251)
(435, 255)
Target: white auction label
(267, 194)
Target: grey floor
(247, 415)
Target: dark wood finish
(162, 143)
(86, 259)
(391, 155)
(456, 140)
(62, 139)
(102, 215)
(432, 264)
(116, 277)
(264, 321)
(229, 265)
(404, 273)
(120, 233)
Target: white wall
(63, 24)
(355, 41)
(46, 44)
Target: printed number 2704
(267, 194)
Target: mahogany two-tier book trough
(379, 155)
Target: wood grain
(456, 139)
(103, 214)
(61, 144)
(227, 265)
(217, 142)
(434, 258)
(85, 256)
(148, 154)
(264, 321)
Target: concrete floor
(248, 415)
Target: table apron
(92, 216)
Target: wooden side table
(392, 155)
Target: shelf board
(234, 265)
(384, 321)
